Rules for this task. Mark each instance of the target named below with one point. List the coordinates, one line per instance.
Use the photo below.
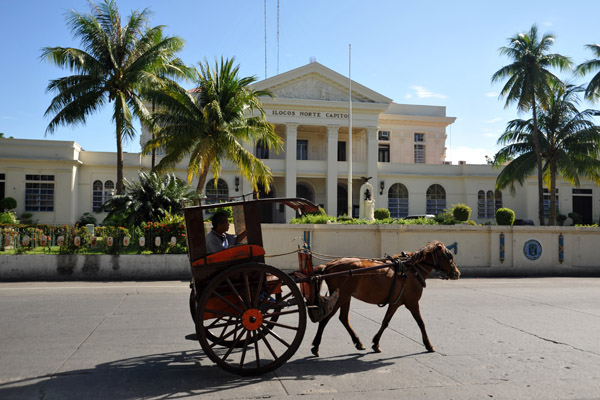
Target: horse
(400, 283)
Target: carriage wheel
(260, 323)
(221, 319)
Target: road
(495, 338)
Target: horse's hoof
(315, 351)
(431, 350)
(376, 349)
(359, 346)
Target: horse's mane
(415, 257)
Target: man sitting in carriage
(218, 238)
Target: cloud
(423, 93)
(491, 94)
(408, 96)
(493, 120)
(491, 134)
(547, 23)
(470, 155)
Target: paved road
(495, 338)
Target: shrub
(461, 212)
(312, 219)
(27, 219)
(8, 203)
(8, 218)
(577, 219)
(86, 219)
(445, 218)
(505, 216)
(382, 213)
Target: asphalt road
(495, 338)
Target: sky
(427, 52)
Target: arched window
(304, 191)
(262, 151)
(436, 199)
(109, 190)
(490, 206)
(481, 209)
(97, 196)
(498, 202)
(218, 193)
(398, 200)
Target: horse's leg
(416, 313)
(386, 320)
(344, 311)
(317, 340)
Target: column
(332, 173)
(372, 158)
(291, 135)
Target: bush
(461, 212)
(8, 218)
(8, 203)
(312, 219)
(382, 213)
(86, 219)
(577, 219)
(505, 216)
(27, 219)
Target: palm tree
(148, 199)
(114, 66)
(569, 142)
(212, 122)
(593, 89)
(529, 83)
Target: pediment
(317, 82)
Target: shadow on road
(174, 375)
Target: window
(302, 150)
(101, 193)
(398, 201)
(384, 153)
(547, 202)
(341, 151)
(419, 137)
(218, 193)
(262, 151)
(419, 154)
(2, 186)
(384, 135)
(488, 203)
(39, 192)
(436, 199)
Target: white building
(401, 147)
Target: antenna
(277, 37)
(265, 39)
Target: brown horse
(394, 286)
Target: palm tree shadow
(177, 375)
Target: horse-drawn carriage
(250, 317)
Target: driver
(218, 238)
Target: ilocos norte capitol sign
(309, 114)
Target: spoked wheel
(251, 319)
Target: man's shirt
(216, 242)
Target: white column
(291, 135)
(332, 175)
(372, 158)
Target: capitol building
(401, 147)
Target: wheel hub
(252, 319)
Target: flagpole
(350, 131)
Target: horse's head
(443, 261)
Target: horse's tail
(319, 270)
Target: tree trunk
(202, 180)
(153, 137)
(120, 188)
(538, 159)
(552, 194)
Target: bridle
(447, 256)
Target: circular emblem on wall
(532, 249)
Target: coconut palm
(114, 65)
(211, 123)
(569, 143)
(148, 199)
(593, 89)
(529, 83)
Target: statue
(366, 208)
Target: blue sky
(428, 52)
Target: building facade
(400, 147)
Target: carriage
(250, 317)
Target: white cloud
(423, 93)
(547, 23)
(491, 94)
(408, 96)
(470, 155)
